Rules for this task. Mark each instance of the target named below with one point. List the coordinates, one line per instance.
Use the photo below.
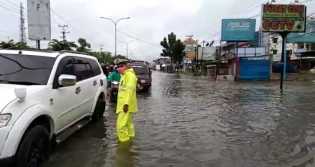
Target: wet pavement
(187, 121)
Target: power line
(8, 10)
(307, 1)
(9, 4)
(67, 21)
(140, 40)
(12, 2)
(14, 8)
(57, 15)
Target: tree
(7, 45)
(57, 45)
(84, 46)
(173, 48)
(120, 57)
(12, 45)
(103, 57)
(21, 45)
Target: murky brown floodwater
(192, 122)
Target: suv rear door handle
(77, 90)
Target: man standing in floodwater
(126, 102)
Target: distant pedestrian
(127, 102)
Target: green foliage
(84, 46)
(12, 45)
(120, 57)
(103, 57)
(173, 48)
(57, 45)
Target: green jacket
(114, 76)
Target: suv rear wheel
(99, 109)
(34, 148)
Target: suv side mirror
(67, 80)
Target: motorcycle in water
(114, 91)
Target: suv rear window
(83, 70)
(25, 69)
(140, 70)
(95, 67)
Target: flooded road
(190, 121)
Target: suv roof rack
(31, 49)
(47, 51)
(70, 51)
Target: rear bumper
(146, 85)
(6, 162)
(142, 87)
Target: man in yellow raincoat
(126, 102)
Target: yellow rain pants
(125, 127)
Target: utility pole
(101, 47)
(64, 32)
(202, 53)
(22, 24)
(283, 59)
(127, 50)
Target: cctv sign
(283, 18)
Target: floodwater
(187, 121)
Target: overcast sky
(150, 21)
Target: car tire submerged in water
(99, 109)
(34, 148)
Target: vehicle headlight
(143, 81)
(4, 120)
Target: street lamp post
(115, 22)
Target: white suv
(44, 98)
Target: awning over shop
(302, 38)
(307, 37)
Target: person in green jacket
(127, 103)
(114, 76)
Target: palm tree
(84, 46)
(12, 45)
(57, 45)
(7, 45)
(173, 48)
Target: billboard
(238, 30)
(207, 53)
(283, 18)
(39, 21)
(251, 52)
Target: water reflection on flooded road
(191, 121)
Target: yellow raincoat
(126, 96)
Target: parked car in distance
(144, 75)
(45, 97)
